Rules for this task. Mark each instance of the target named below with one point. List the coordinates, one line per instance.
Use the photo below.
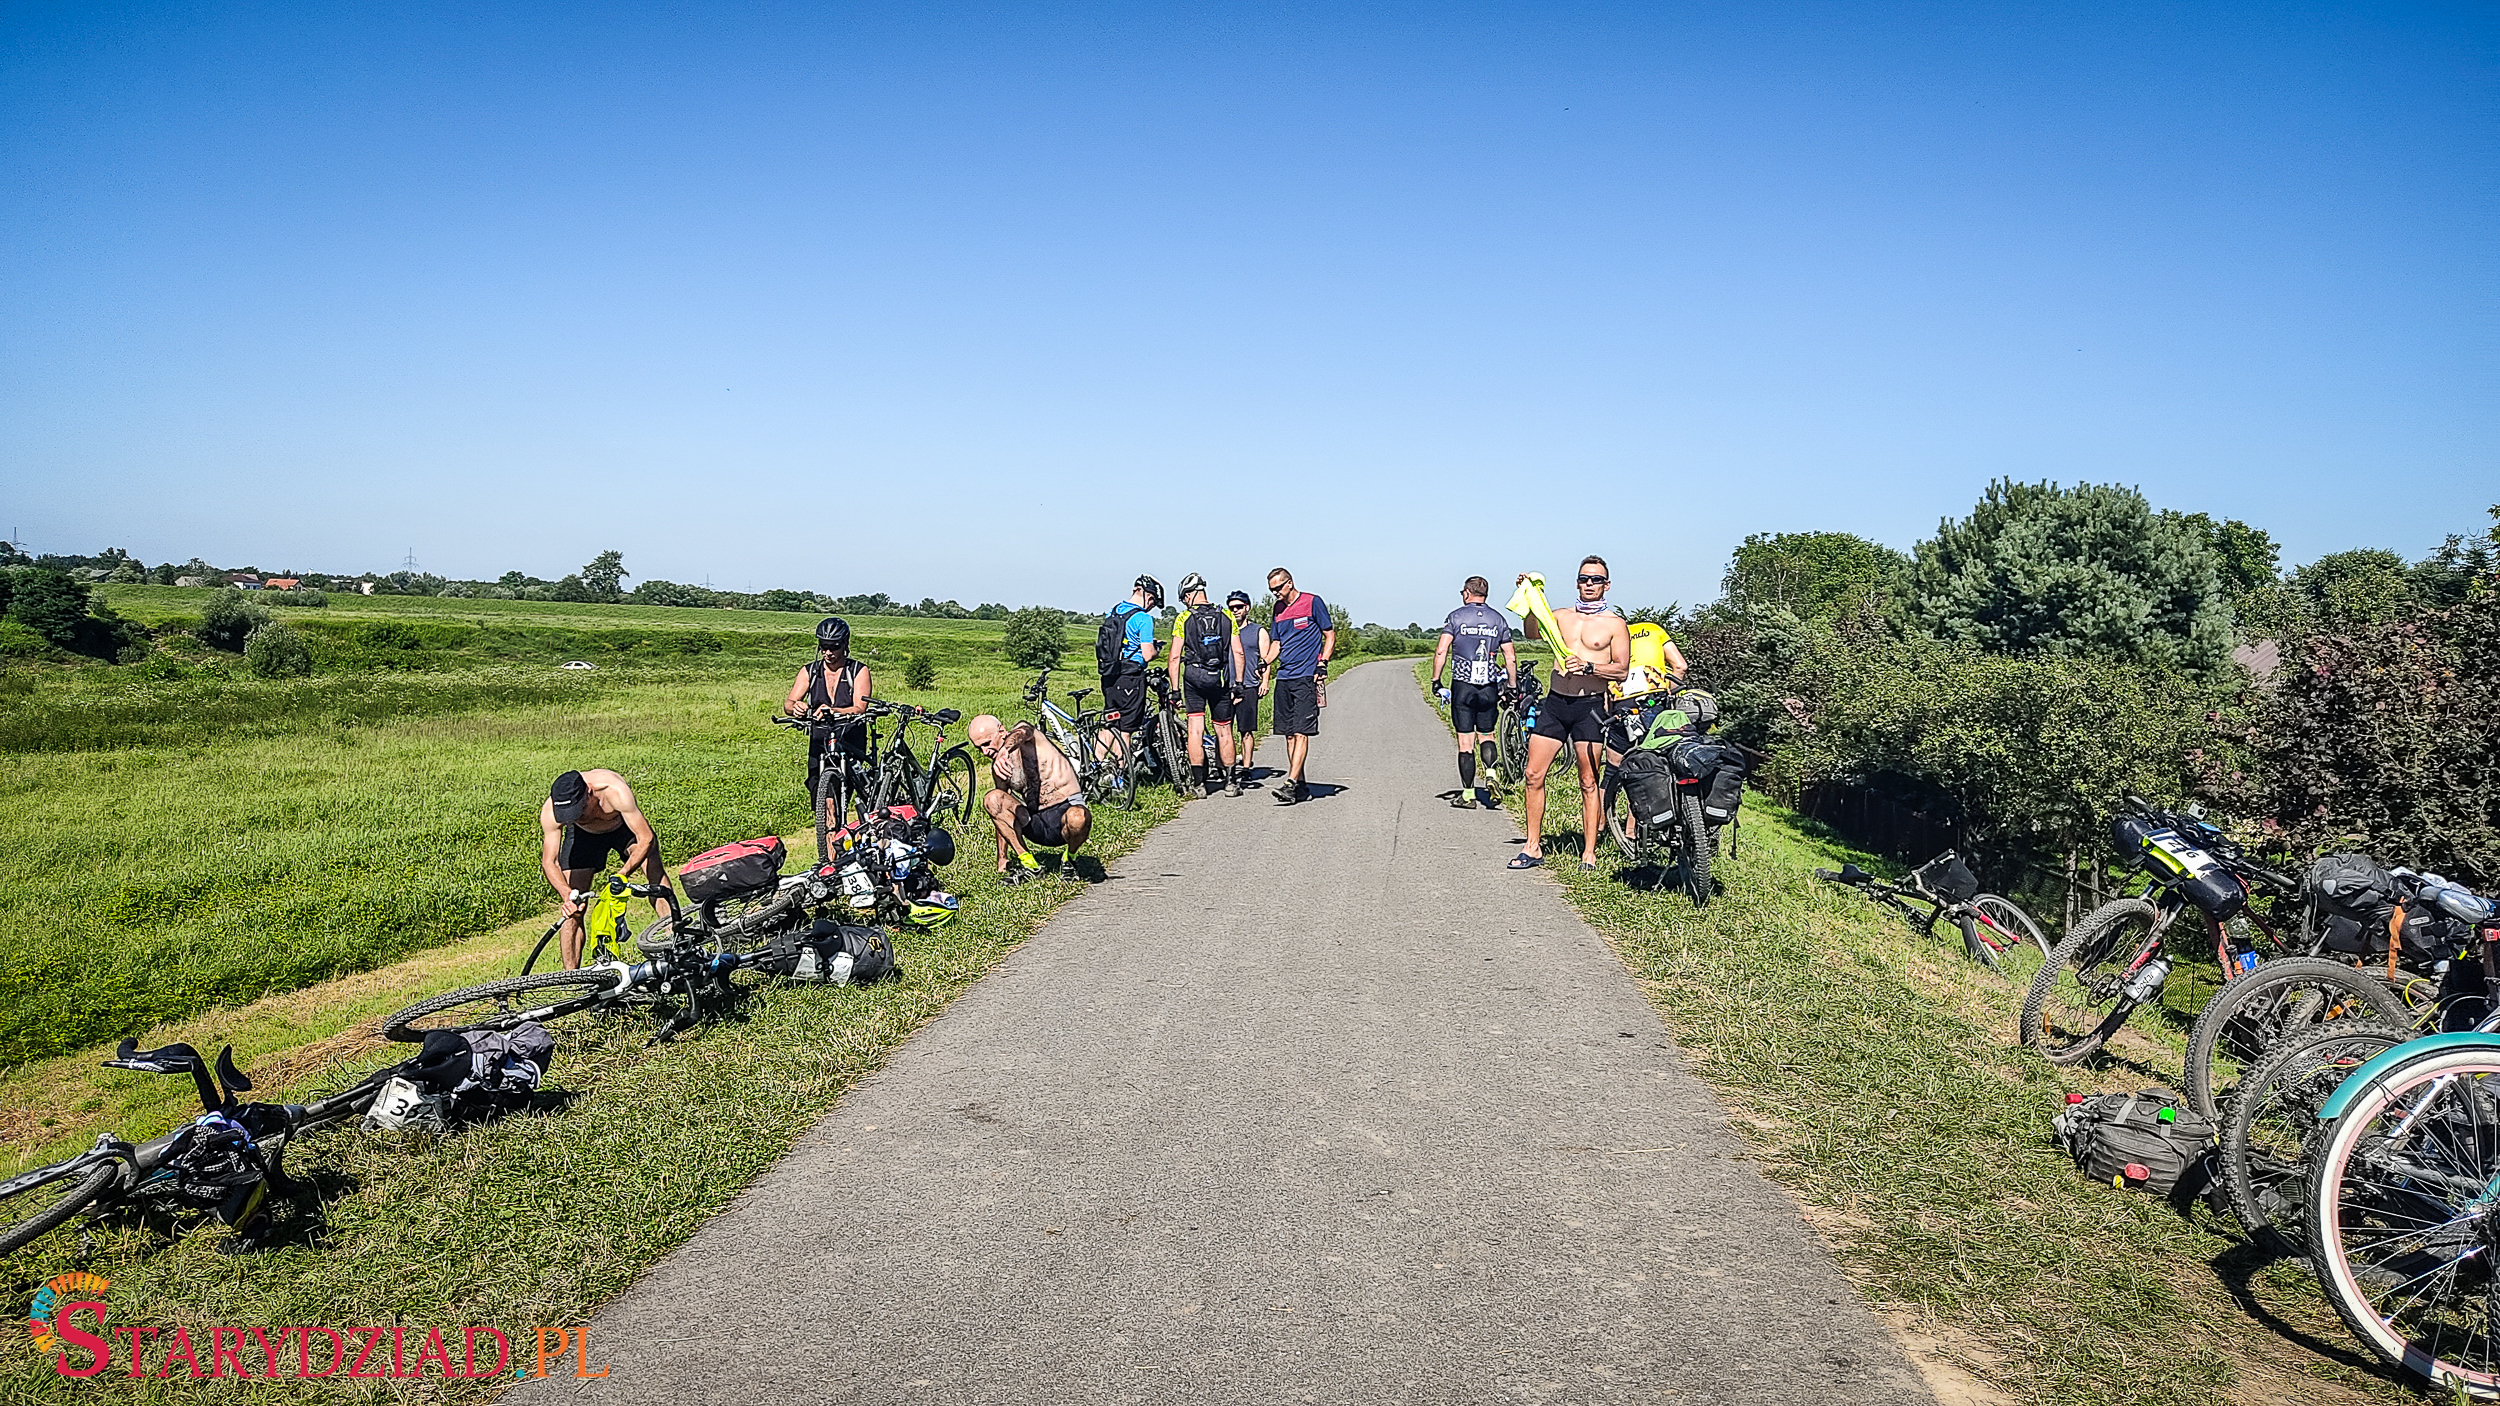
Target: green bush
(230, 619)
(19, 642)
(276, 652)
(1036, 638)
(49, 603)
(308, 598)
(918, 672)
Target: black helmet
(833, 632)
(1153, 590)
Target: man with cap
(832, 686)
(1249, 681)
(589, 815)
(1206, 658)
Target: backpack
(1206, 639)
(462, 1071)
(741, 867)
(814, 953)
(2137, 1142)
(1111, 641)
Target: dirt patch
(1939, 1351)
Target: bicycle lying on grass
(223, 1163)
(1995, 931)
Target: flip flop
(1588, 866)
(1524, 860)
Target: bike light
(2074, 1098)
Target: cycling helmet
(934, 911)
(939, 847)
(1153, 590)
(833, 632)
(1191, 584)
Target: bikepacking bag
(463, 1071)
(1948, 878)
(744, 867)
(831, 953)
(2145, 1141)
(2354, 898)
(2199, 877)
(1111, 641)
(1650, 784)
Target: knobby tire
(501, 1005)
(2244, 1021)
(2272, 1123)
(47, 1206)
(2092, 957)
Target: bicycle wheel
(501, 1005)
(2077, 1001)
(1141, 772)
(1510, 739)
(2399, 1223)
(2016, 946)
(2248, 1018)
(1700, 847)
(952, 787)
(41, 1201)
(1173, 744)
(1630, 837)
(2273, 1121)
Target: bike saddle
(1079, 695)
(1852, 874)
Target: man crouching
(1036, 799)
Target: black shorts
(1214, 699)
(1048, 826)
(1246, 711)
(1572, 717)
(1125, 694)
(1297, 707)
(1474, 706)
(589, 849)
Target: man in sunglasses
(1598, 650)
(1300, 640)
(1248, 680)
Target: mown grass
(358, 818)
(1877, 1074)
(539, 1218)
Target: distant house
(281, 583)
(244, 583)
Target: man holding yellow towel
(1592, 648)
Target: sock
(1466, 770)
(1025, 858)
(1198, 776)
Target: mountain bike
(1168, 737)
(843, 786)
(1101, 771)
(2248, 1019)
(224, 1162)
(1996, 932)
(944, 790)
(1510, 729)
(2112, 962)
(2271, 1124)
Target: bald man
(1036, 799)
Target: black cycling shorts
(1572, 717)
(1213, 698)
(1474, 706)
(1047, 826)
(1125, 695)
(589, 849)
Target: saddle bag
(2142, 1141)
(830, 953)
(743, 867)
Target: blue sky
(1010, 303)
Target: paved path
(1309, 1104)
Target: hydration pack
(1111, 641)
(1206, 646)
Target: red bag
(747, 866)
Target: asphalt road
(1312, 1103)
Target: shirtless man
(1575, 710)
(1036, 798)
(587, 816)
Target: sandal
(1525, 860)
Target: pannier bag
(463, 1071)
(1650, 784)
(1727, 789)
(744, 867)
(2172, 858)
(2354, 899)
(829, 952)
(2138, 1142)
(1948, 878)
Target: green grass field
(1877, 1075)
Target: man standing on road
(1597, 650)
(1469, 639)
(1203, 666)
(1249, 680)
(587, 816)
(1300, 641)
(1130, 631)
(1036, 798)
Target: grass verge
(1876, 1074)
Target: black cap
(569, 794)
(1238, 598)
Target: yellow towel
(1529, 600)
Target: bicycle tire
(1624, 826)
(2272, 1123)
(2391, 1218)
(1118, 762)
(1700, 847)
(953, 785)
(490, 1005)
(2247, 1018)
(2010, 919)
(2093, 1008)
(1174, 744)
(1512, 747)
(46, 1207)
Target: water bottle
(840, 972)
(2246, 962)
(2146, 983)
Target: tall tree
(1811, 575)
(605, 575)
(2089, 571)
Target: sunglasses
(1592, 580)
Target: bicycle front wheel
(952, 788)
(1511, 746)
(2015, 945)
(501, 1005)
(2248, 1018)
(1173, 743)
(2077, 998)
(2273, 1122)
(40, 1202)
(2399, 1220)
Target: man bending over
(1036, 799)
(587, 816)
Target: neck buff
(1591, 607)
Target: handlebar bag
(742, 867)
(1948, 877)
(2199, 877)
